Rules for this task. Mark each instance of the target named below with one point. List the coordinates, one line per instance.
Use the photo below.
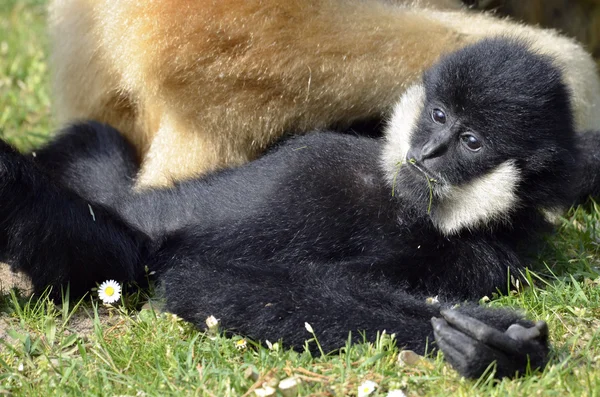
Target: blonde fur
(202, 84)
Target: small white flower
(241, 344)
(432, 300)
(212, 323)
(309, 328)
(272, 346)
(366, 388)
(109, 291)
(515, 282)
(396, 393)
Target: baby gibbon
(197, 85)
(347, 233)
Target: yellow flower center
(109, 291)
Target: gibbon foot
(470, 345)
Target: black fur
(517, 105)
(311, 232)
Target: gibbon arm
(56, 236)
(269, 305)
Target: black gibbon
(347, 233)
(198, 85)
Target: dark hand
(470, 345)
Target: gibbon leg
(57, 237)
(86, 83)
(179, 151)
(92, 159)
(277, 304)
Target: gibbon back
(202, 85)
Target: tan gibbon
(198, 85)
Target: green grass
(25, 116)
(91, 350)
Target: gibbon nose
(431, 149)
(435, 147)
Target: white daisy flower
(109, 291)
(366, 388)
(241, 344)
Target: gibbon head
(489, 130)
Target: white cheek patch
(400, 128)
(491, 197)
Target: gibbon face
(488, 130)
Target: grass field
(86, 349)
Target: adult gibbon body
(346, 233)
(199, 85)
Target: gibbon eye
(438, 116)
(471, 142)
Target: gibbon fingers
(201, 85)
(347, 233)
